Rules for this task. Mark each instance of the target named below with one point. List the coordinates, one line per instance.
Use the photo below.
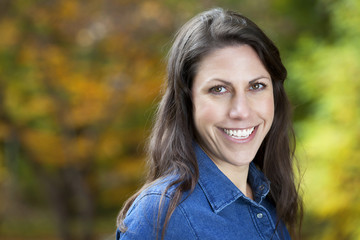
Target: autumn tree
(80, 80)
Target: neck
(238, 176)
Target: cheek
(268, 110)
(204, 113)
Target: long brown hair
(170, 149)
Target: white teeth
(239, 134)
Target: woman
(221, 136)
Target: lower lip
(243, 140)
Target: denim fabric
(216, 209)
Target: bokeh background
(79, 83)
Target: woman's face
(233, 105)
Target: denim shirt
(216, 209)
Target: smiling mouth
(239, 134)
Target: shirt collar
(219, 190)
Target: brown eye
(218, 89)
(257, 86)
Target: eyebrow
(260, 77)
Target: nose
(239, 107)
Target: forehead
(232, 63)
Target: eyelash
(212, 90)
(263, 85)
(260, 87)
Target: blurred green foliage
(79, 82)
(324, 75)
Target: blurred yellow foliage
(47, 147)
(9, 33)
(68, 9)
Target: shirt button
(261, 187)
(259, 215)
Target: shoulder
(147, 215)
